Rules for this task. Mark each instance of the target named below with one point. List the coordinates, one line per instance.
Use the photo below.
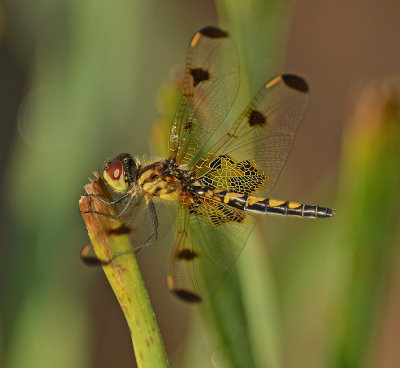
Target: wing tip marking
(210, 32)
(186, 254)
(295, 82)
(187, 295)
(292, 81)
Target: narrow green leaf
(369, 206)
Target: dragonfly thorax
(164, 179)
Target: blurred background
(80, 82)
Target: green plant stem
(108, 237)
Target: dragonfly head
(120, 172)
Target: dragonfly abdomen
(260, 205)
(286, 208)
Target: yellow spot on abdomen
(275, 203)
(229, 196)
(251, 200)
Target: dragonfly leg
(92, 259)
(103, 215)
(152, 237)
(154, 220)
(110, 203)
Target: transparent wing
(210, 86)
(146, 222)
(264, 133)
(207, 244)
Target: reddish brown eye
(115, 169)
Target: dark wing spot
(295, 82)
(256, 118)
(120, 230)
(213, 32)
(186, 254)
(199, 75)
(187, 295)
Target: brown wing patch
(226, 173)
(256, 118)
(120, 230)
(210, 32)
(199, 75)
(213, 32)
(217, 213)
(186, 254)
(295, 82)
(187, 295)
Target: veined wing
(210, 86)
(263, 135)
(210, 237)
(144, 221)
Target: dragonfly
(217, 179)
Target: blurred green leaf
(369, 205)
(80, 78)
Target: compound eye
(115, 169)
(114, 174)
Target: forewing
(264, 133)
(209, 240)
(210, 86)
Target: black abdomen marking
(271, 206)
